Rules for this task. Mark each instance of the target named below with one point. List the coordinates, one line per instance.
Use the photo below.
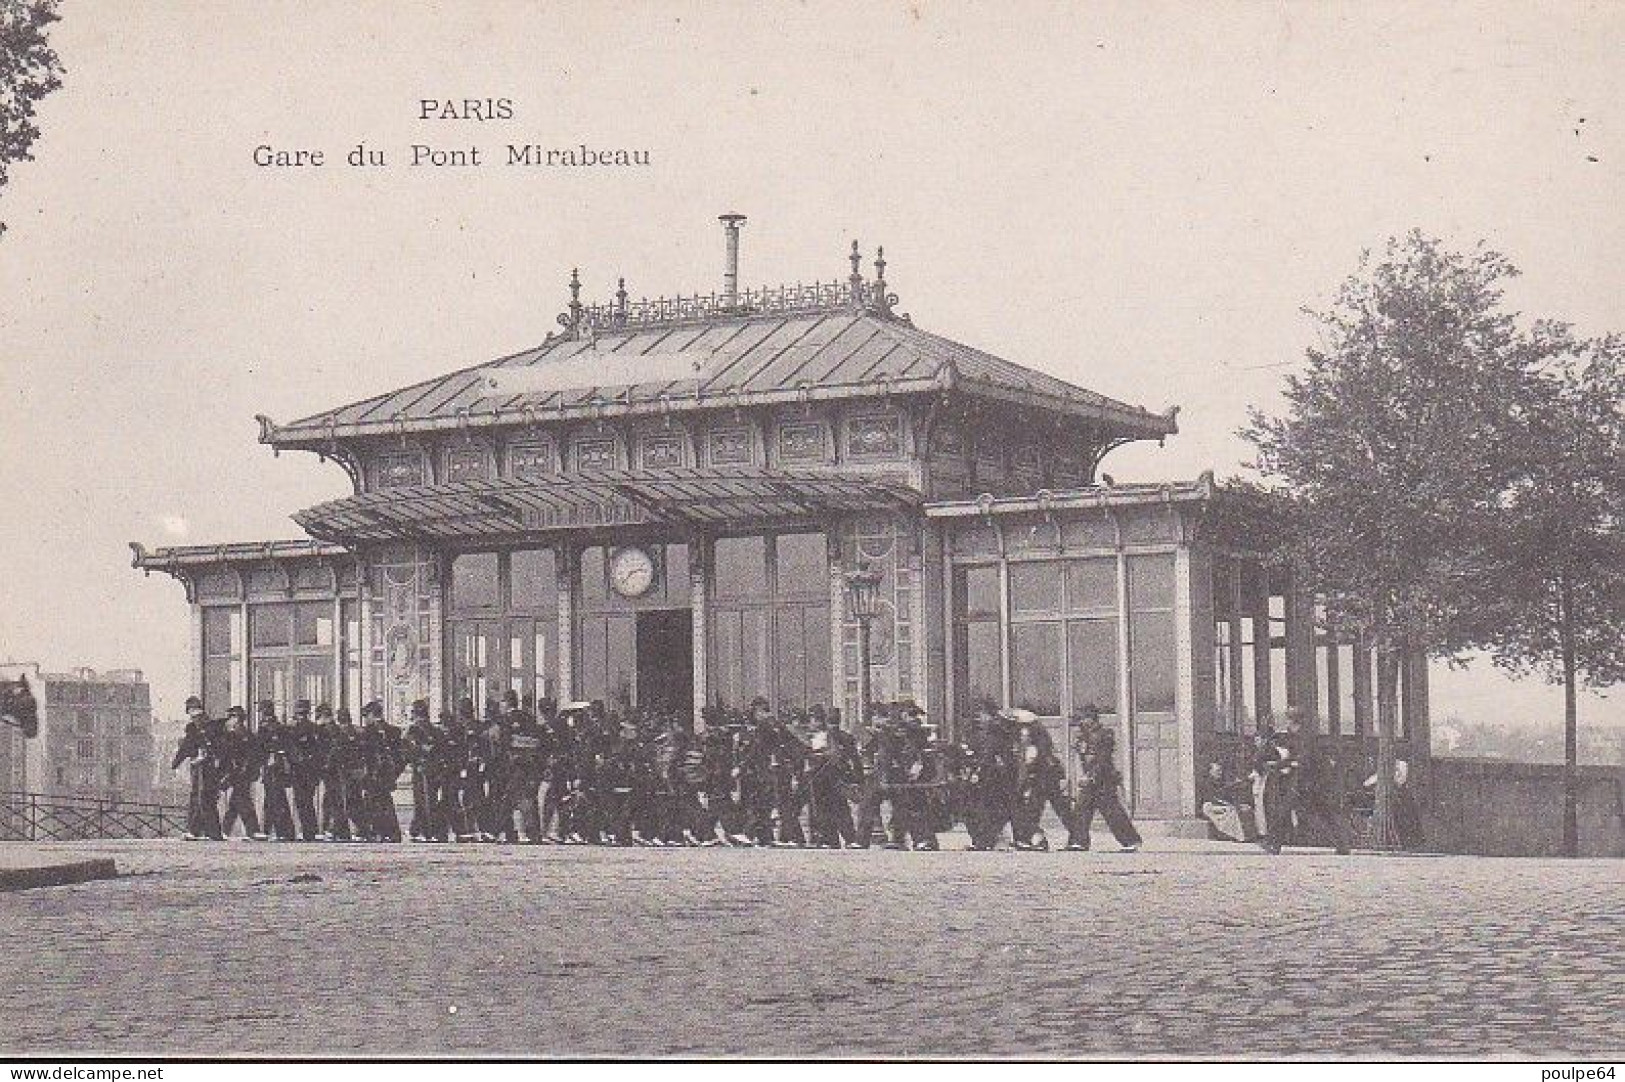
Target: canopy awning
(506, 508)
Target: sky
(1140, 198)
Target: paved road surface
(1189, 949)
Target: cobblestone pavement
(1186, 950)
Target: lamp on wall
(863, 595)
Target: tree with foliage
(1556, 606)
(29, 70)
(1391, 458)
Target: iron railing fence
(47, 817)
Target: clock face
(631, 572)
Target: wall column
(837, 628)
(699, 579)
(565, 567)
(1186, 637)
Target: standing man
(421, 747)
(276, 774)
(341, 758)
(1099, 783)
(203, 805)
(527, 766)
(1040, 780)
(384, 760)
(305, 754)
(239, 766)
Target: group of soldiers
(581, 773)
(353, 768)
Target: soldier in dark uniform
(527, 768)
(786, 759)
(342, 771)
(1098, 784)
(754, 756)
(495, 815)
(1040, 780)
(203, 805)
(991, 783)
(882, 755)
(275, 774)
(917, 783)
(471, 776)
(306, 751)
(384, 760)
(239, 766)
(420, 746)
(831, 766)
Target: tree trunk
(1384, 834)
(1571, 726)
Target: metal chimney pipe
(731, 224)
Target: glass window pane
(1035, 587)
(984, 679)
(1092, 655)
(1091, 585)
(270, 625)
(1249, 679)
(533, 583)
(741, 567)
(313, 624)
(594, 576)
(802, 562)
(1152, 646)
(217, 686)
(1035, 668)
(815, 623)
(216, 632)
(790, 662)
(474, 581)
(754, 648)
(1151, 582)
(979, 591)
(1221, 676)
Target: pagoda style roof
(493, 509)
(795, 344)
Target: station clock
(631, 571)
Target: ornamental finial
(620, 300)
(575, 297)
(855, 279)
(880, 269)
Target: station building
(664, 503)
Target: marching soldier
(991, 778)
(383, 762)
(527, 769)
(882, 768)
(420, 747)
(275, 775)
(196, 750)
(239, 766)
(1098, 784)
(306, 750)
(342, 771)
(1040, 780)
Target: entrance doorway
(665, 659)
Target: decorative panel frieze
(803, 441)
(879, 436)
(467, 464)
(729, 446)
(596, 453)
(400, 469)
(662, 451)
(532, 460)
